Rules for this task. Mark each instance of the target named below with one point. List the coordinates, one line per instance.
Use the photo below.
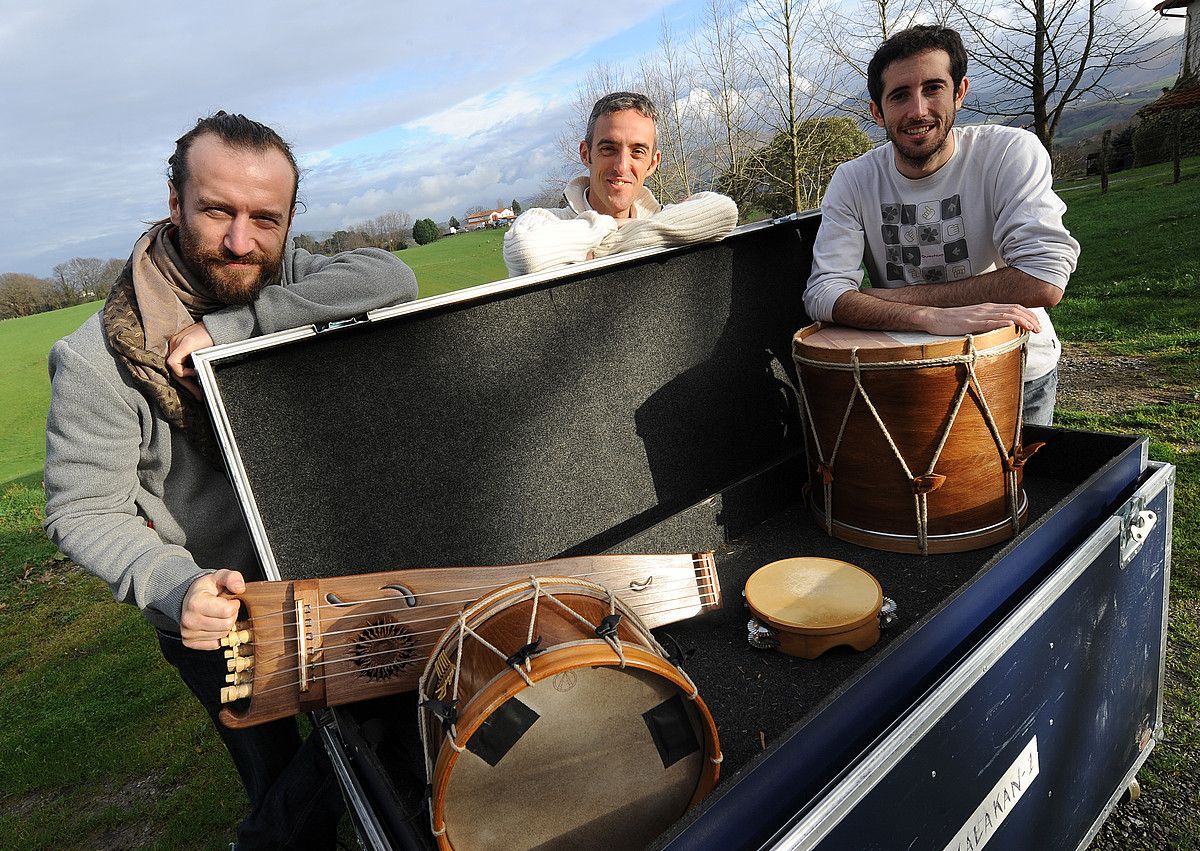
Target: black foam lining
(559, 419)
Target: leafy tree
(425, 231)
(454, 223)
(303, 240)
(515, 207)
(769, 181)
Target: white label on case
(995, 808)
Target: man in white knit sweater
(958, 227)
(610, 210)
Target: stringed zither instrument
(314, 643)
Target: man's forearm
(1007, 285)
(859, 310)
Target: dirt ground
(1091, 380)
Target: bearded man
(959, 227)
(609, 209)
(136, 492)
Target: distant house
(489, 219)
(1178, 110)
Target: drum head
(814, 595)
(591, 757)
(833, 343)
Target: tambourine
(805, 606)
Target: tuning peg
(231, 693)
(239, 663)
(236, 636)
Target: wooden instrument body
(604, 792)
(369, 635)
(871, 499)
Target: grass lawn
(103, 748)
(25, 388)
(454, 262)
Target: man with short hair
(136, 492)
(610, 210)
(959, 227)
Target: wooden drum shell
(872, 499)
(487, 683)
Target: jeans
(1039, 398)
(295, 802)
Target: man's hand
(208, 611)
(977, 318)
(179, 353)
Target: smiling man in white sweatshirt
(609, 209)
(958, 227)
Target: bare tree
(82, 279)
(789, 83)
(1046, 55)
(727, 129)
(24, 295)
(851, 33)
(667, 80)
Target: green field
(25, 387)
(449, 264)
(458, 261)
(104, 748)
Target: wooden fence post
(1104, 148)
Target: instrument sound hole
(383, 649)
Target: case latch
(338, 324)
(1136, 523)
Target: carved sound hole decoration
(383, 649)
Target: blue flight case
(646, 403)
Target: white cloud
(95, 94)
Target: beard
(231, 285)
(921, 154)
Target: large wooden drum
(914, 441)
(551, 718)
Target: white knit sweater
(545, 238)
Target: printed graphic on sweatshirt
(925, 243)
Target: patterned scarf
(152, 299)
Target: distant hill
(1156, 67)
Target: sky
(424, 107)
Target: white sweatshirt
(545, 238)
(991, 205)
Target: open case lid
(549, 414)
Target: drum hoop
(511, 594)
(856, 364)
(788, 626)
(1023, 507)
(501, 688)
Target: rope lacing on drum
(825, 466)
(929, 481)
(612, 640)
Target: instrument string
(363, 670)
(707, 591)
(624, 570)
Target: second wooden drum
(914, 441)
